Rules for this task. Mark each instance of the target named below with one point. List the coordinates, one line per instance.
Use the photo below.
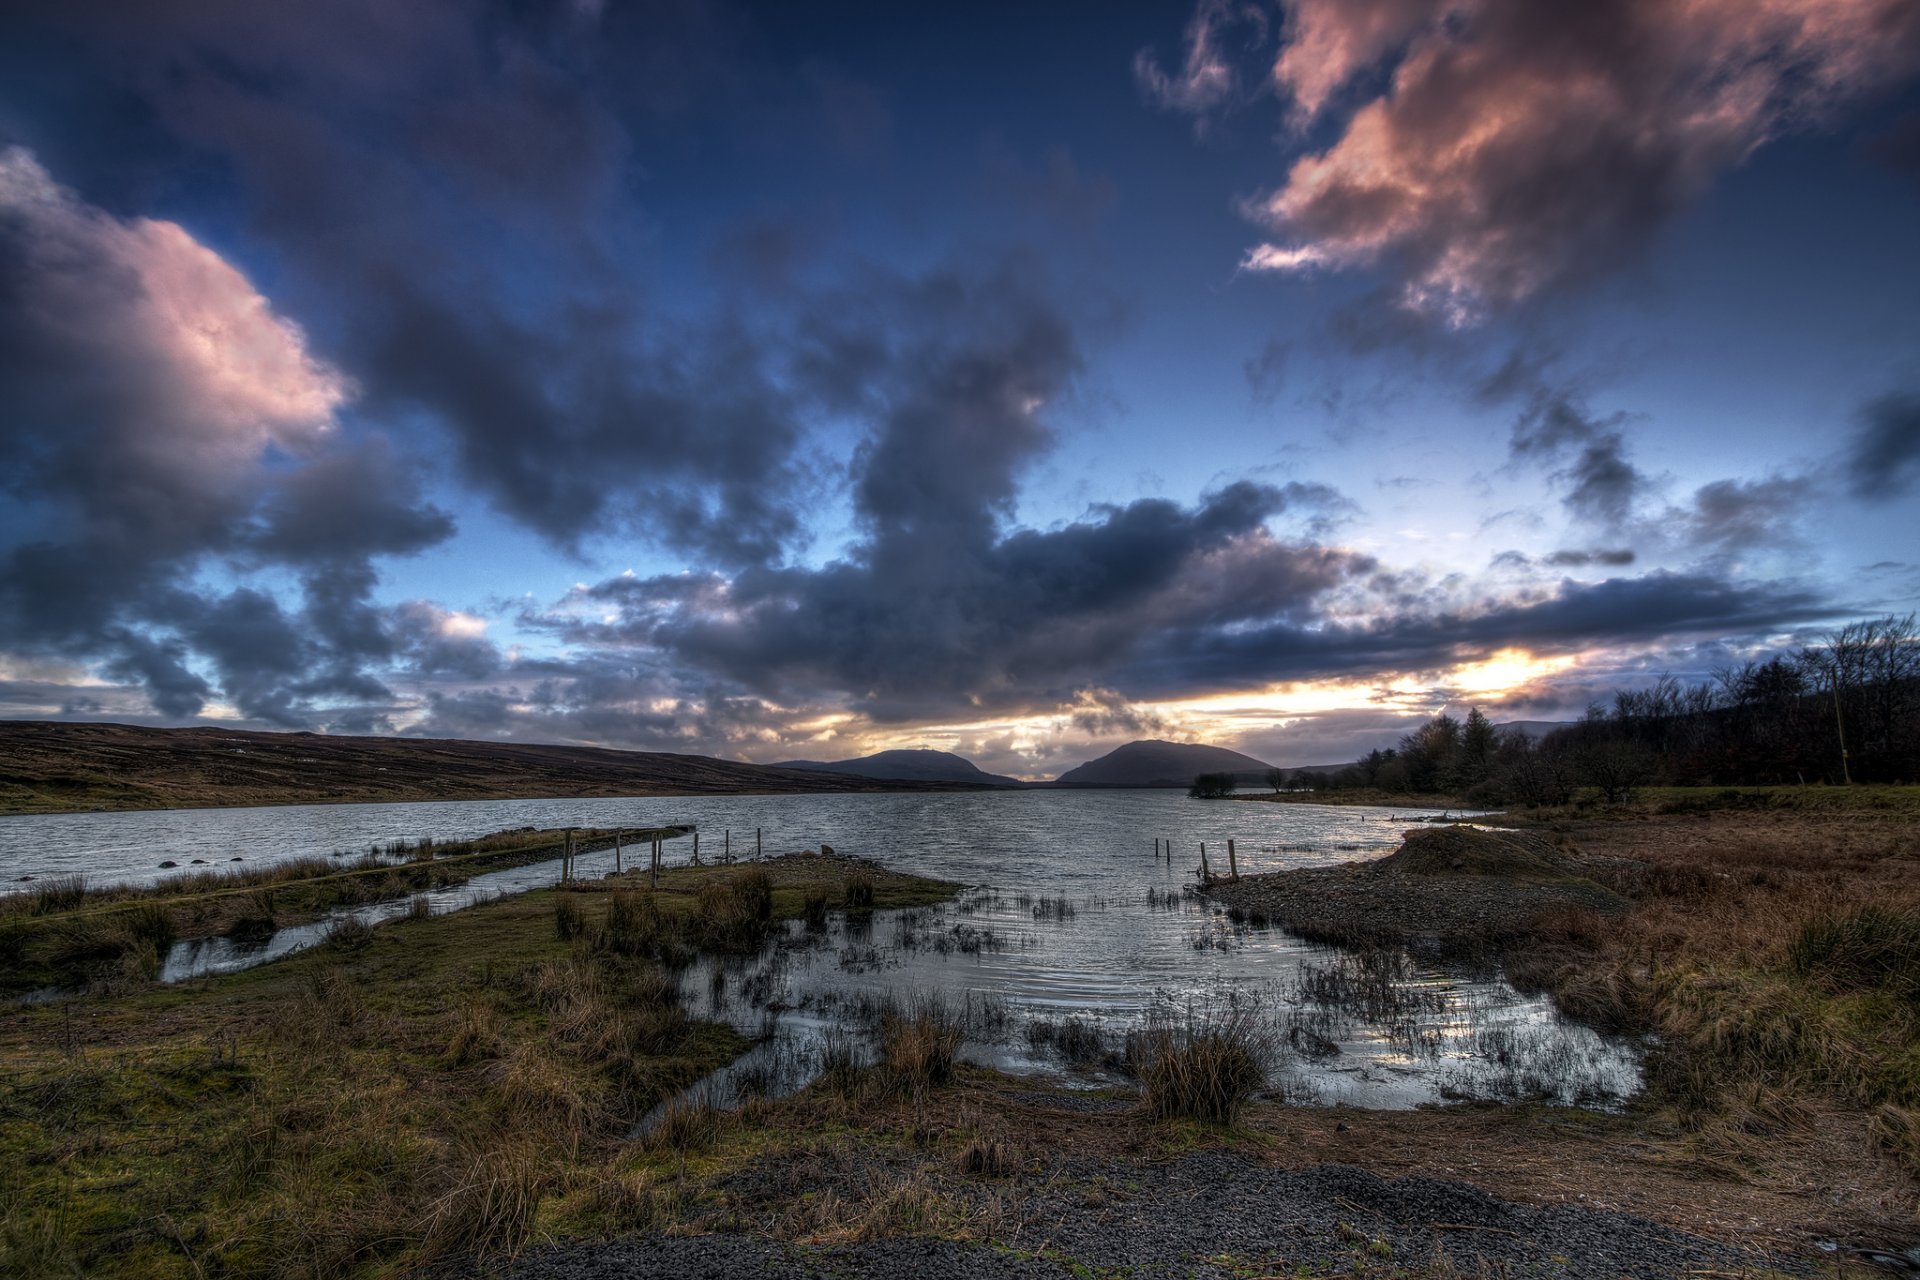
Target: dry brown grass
(1773, 954)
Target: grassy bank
(63, 933)
(435, 1088)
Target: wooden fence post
(617, 833)
(1205, 875)
(726, 845)
(653, 867)
(756, 844)
(1233, 862)
(566, 858)
(696, 848)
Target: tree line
(1843, 709)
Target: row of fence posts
(655, 860)
(1163, 850)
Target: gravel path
(1209, 1214)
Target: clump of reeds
(918, 1043)
(733, 915)
(1199, 1065)
(857, 891)
(814, 909)
(840, 1063)
(754, 890)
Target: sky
(793, 382)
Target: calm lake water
(1069, 916)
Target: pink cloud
(1516, 145)
(220, 370)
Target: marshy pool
(1071, 935)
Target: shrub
(857, 891)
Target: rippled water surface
(1069, 916)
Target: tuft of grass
(986, 1156)
(686, 1126)
(1865, 949)
(63, 893)
(487, 1212)
(348, 933)
(569, 919)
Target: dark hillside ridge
(53, 767)
(909, 764)
(1152, 763)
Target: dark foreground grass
(434, 1091)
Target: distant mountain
(907, 766)
(1163, 764)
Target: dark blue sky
(782, 381)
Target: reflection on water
(1073, 932)
(1055, 985)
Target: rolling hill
(910, 765)
(49, 767)
(1152, 763)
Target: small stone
(169, 863)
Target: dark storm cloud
(941, 608)
(1574, 617)
(1513, 145)
(1883, 458)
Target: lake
(1069, 916)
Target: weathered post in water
(617, 833)
(653, 866)
(696, 848)
(1233, 862)
(1205, 875)
(726, 845)
(566, 858)
(756, 844)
